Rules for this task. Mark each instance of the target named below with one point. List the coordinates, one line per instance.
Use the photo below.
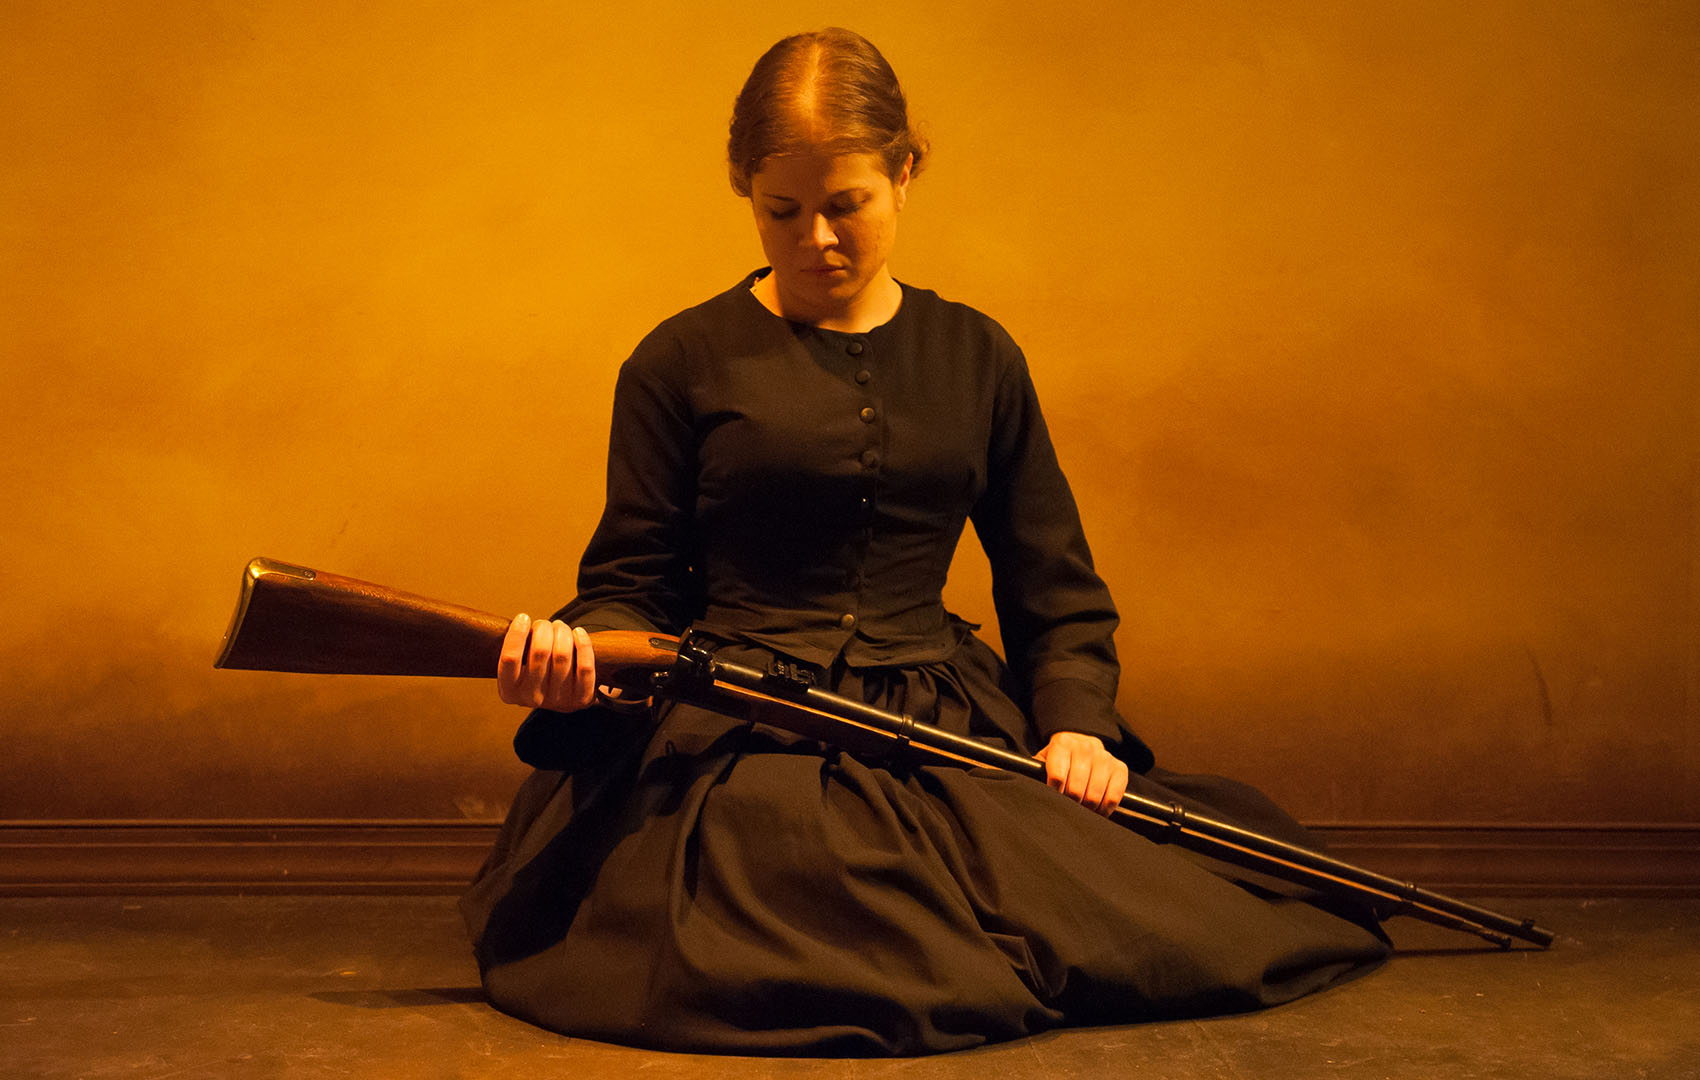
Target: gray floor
(376, 987)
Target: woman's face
(827, 225)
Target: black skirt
(694, 883)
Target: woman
(791, 465)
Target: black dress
(676, 879)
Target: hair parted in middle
(828, 91)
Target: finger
(1115, 786)
(1057, 762)
(558, 679)
(512, 659)
(1097, 783)
(584, 677)
(1079, 776)
(1118, 786)
(532, 679)
(567, 677)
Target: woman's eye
(833, 210)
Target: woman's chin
(837, 283)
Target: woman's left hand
(1078, 766)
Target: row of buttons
(870, 460)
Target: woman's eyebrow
(857, 189)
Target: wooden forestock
(290, 618)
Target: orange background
(1368, 337)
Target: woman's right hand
(546, 665)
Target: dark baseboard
(72, 858)
(81, 858)
(1536, 859)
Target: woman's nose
(820, 232)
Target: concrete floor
(383, 986)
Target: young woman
(791, 466)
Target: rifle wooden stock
(290, 618)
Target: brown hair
(829, 91)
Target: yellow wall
(1368, 336)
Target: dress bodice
(805, 490)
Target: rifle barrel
(812, 711)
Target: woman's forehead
(790, 175)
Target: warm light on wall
(1369, 346)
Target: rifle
(291, 618)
